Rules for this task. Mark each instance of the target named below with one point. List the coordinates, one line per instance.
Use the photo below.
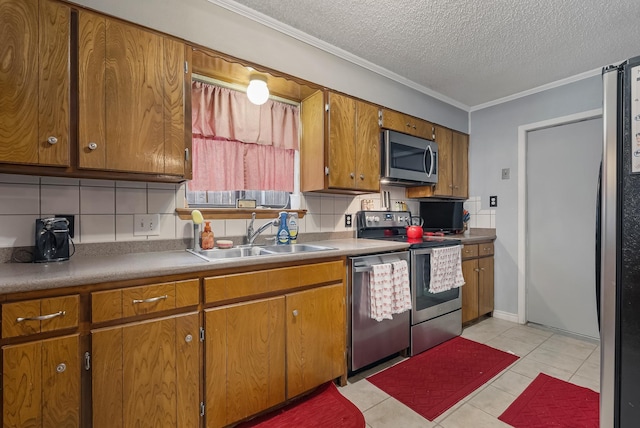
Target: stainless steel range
(435, 317)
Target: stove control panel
(386, 219)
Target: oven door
(427, 305)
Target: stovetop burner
(391, 226)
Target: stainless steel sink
(238, 252)
(293, 248)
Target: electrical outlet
(146, 224)
(71, 219)
(505, 173)
(347, 220)
(493, 201)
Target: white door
(562, 174)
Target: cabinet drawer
(485, 249)
(219, 288)
(39, 316)
(469, 251)
(128, 302)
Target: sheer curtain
(240, 146)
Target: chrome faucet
(253, 234)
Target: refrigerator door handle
(608, 236)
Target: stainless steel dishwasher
(369, 340)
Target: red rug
(433, 381)
(551, 402)
(326, 407)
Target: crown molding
(556, 84)
(320, 44)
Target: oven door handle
(363, 269)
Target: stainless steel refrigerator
(618, 248)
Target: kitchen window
(240, 150)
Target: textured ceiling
(471, 51)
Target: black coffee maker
(52, 240)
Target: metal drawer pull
(42, 317)
(151, 299)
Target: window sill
(235, 213)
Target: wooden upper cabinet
(131, 98)
(453, 170)
(407, 124)
(34, 82)
(349, 149)
(460, 165)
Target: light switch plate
(506, 172)
(146, 224)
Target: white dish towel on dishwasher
(389, 290)
(380, 291)
(446, 269)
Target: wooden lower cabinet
(147, 373)
(245, 365)
(315, 337)
(477, 293)
(246, 371)
(41, 383)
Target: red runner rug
(433, 381)
(551, 402)
(326, 407)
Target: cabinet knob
(295, 312)
(352, 175)
(61, 367)
(92, 146)
(188, 338)
(481, 268)
(52, 140)
(361, 176)
(414, 126)
(477, 270)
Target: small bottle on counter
(283, 229)
(206, 236)
(293, 227)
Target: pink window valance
(240, 146)
(227, 114)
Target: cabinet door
(470, 290)
(367, 147)
(341, 145)
(41, 383)
(131, 98)
(245, 366)
(460, 164)
(444, 187)
(315, 337)
(485, 286)
(34, 82)
(423, 129)
(147, 373)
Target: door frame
(523, 131)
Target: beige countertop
(81, 270)
(92, 269)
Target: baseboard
(507, 316)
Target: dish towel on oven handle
(400, 282)
(446, 269)
(380, 291)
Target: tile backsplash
(104, 209)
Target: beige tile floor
(564, 357)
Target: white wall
(204, 23)
(494, 145)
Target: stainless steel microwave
(408, 160)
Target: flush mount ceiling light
(257, 91)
